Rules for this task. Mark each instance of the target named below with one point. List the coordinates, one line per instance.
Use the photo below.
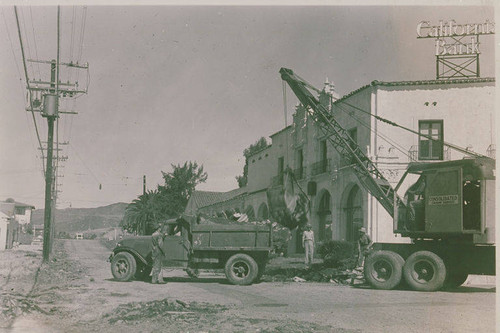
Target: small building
(9, 231)
(20, 211)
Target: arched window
(263, 213)
(354, 213)
(250, 213)
(325, 217)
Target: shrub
(281, 237)
(338, 254)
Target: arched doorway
(250, 213)
(325, 217)
(353, 213)
(263, 213)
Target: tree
(167, 201)
(252, 149)
(179, 185)
(143, 213)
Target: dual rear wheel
(422, 271)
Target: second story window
(20, 210)
(299, 170)
(431, 146)
(323, 153)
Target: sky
(169, 84)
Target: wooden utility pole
(51, 113)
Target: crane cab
(453, 199)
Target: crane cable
(339, 100)
(460, 149)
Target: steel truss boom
(366, 171)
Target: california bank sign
(451, 37)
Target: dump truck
(241, 250)
(447, 212)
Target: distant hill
(81, 219)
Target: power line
(382, 136)
(27, 40)
(34, 40)
(13, 54)
(28, 85)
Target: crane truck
(448, 214)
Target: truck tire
(424, 271)
(241, 269)
(455, 279)
(383, 269)
(123, 266)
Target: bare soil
(75, 292)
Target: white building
(459, 111)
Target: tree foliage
(167, 201)
(252, 149)
(143, 213)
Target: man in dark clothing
(158, 255)
(364, 246)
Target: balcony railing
(413, 154)
(320, 167)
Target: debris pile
(12, 306)
(158, 309)
(316, 274)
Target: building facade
(460, 112)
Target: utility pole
(144, 192)
(50, 111)
(50, 92)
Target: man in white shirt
(308, 243)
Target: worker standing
(364, 246)
(158, 255)
(308, 243)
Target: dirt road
(91, 300)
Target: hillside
(81, 219)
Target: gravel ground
(50, 297)
(75, 292)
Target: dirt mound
(160, 309)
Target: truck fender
(132, 252)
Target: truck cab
(453, 199)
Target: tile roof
(417, 83)
(208, 198)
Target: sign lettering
(450, 199)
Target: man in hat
(308, 243)
(158, 254)
(364, 246)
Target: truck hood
(140, 244)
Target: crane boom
(366, 171)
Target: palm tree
(143, 213)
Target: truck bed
(224, 237)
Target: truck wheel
(383, 269)
(241, 269)
(123, 266)
(455, 279)
(424, 271)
